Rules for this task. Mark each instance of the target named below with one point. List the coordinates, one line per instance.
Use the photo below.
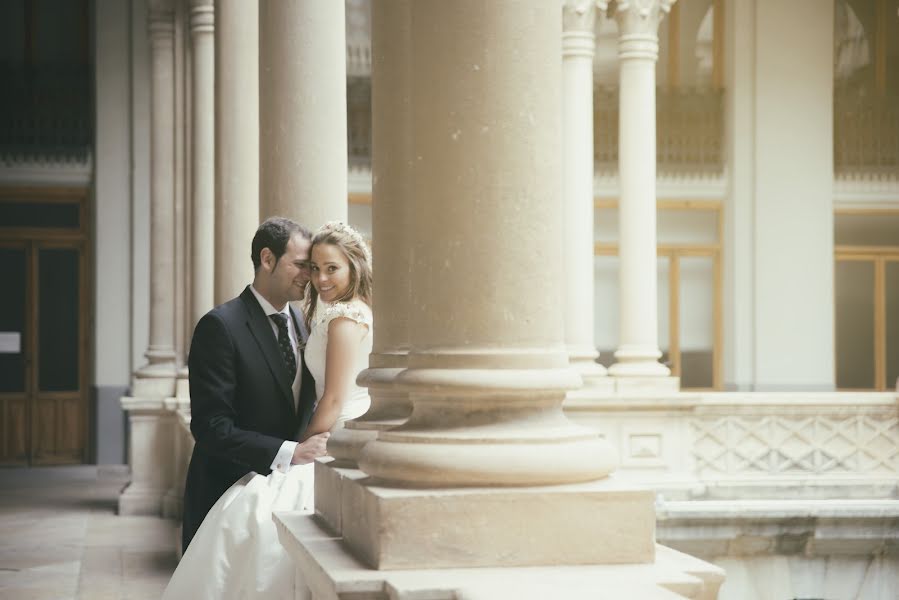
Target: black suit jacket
(241, 403)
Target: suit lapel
(261, 330)
(306, 402)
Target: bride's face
(330, 272)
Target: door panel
(58, 319)
(59, 417)
(13, 368)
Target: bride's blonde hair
(353, 246)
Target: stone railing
(725, 446)
(865, 134)
(689, 135)
(689, 129)
(358, 102)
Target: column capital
(638, 26)
(161, 22)
(202, 16)
(580, 15)
(641, 16)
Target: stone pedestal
(150, 456)
(396, 528)
(330, 571)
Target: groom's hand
(311, 449)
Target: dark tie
(290, 360)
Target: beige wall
(793, 197)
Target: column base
(346, 443)
(326, 566)
(173, 503)
(182, 384)
(152, 382)
(137, 499)
(329, 480)
(401, 528)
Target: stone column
(202, 26)
(467, 480)
(302, 118)
(149, 443)
(488, 370)
(391, 49)
(236, 144)
(578, 47)
(160, 368)
(638, 49)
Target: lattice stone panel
(796, 445)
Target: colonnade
(485, 287)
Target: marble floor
(60, 538)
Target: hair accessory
(341, 227)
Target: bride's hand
(311, 449)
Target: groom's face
(291, 272)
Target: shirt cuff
(283, 457)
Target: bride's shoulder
(355, 310)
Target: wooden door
(44, 344)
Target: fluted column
(302, 99)
(638, 49)
(487, 367)
(236, 143)
(391, 49)
(161, 351)
(202, 26)
(578, 48)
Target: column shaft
(578, 47)
(487, 370)
(391, 133)
(161, 351)
(638, 48)
(202, 24)
(302, 96)
(236, 143)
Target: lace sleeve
(351, 310)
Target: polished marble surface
(60, 538)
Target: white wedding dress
(235, 553)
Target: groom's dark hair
(274, 233)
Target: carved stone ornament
(641, 16)
(580, 15)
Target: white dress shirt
(285, 453)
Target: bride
(235, 552)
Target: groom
(250, 393)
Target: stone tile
(60, 539)
(143, 532)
